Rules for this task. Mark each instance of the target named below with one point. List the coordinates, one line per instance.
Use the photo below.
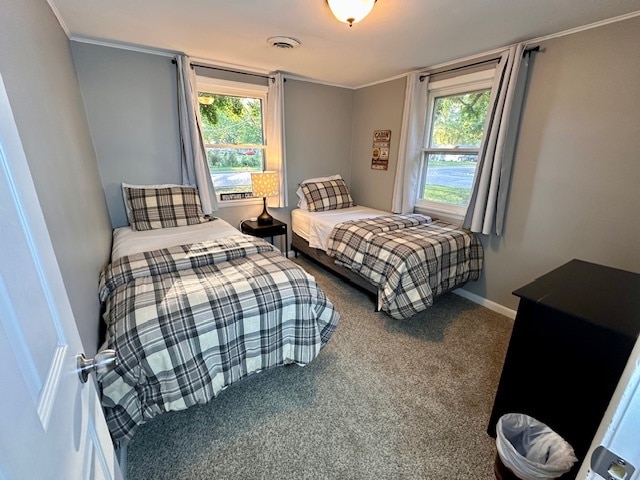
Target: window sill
(443, 212)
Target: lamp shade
(350, 11)
(265, 184)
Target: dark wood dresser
(573, 334)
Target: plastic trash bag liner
(530, 449)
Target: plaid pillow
(162, 207)
(327, 195)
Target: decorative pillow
(161, 206)
(328, 195)
(127, 206)
(302, 201)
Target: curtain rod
(469, 65)
(229, 70)
(234, 71)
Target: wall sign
(380, 152)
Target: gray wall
(132, 112)
(131, 103)
(575, 189)
(318, 132)
(36, 65)
(378, 107)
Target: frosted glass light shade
(350, 11)
(265, 184)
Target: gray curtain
(487, 206)
(276, 149)
(405, 187)
(195, 169)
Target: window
(233, 131)
(456, 114)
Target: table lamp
(265, 184)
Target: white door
(615, 450)
(51, 424)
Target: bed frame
(300, 245)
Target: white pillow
(302, 201)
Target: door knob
(104, 362)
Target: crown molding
(58, 16)
(470, 58)
(124, 46)
(169, 53)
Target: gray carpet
(385, 399)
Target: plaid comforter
(188, 321)
(408, 258)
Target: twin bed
(405, 261)
(191, 309)
(192, 306)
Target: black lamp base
(264, 218)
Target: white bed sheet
(315, 227)
(127, 241)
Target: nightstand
(251, 227)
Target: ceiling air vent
(283, 42)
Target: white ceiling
(398, 36)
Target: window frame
(459, 84)
(239, 89)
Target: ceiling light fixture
(350, 11)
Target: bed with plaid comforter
(408, 258)
(188, 321)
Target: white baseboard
(496, 307)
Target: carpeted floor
(385, 399)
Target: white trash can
(532, 450)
